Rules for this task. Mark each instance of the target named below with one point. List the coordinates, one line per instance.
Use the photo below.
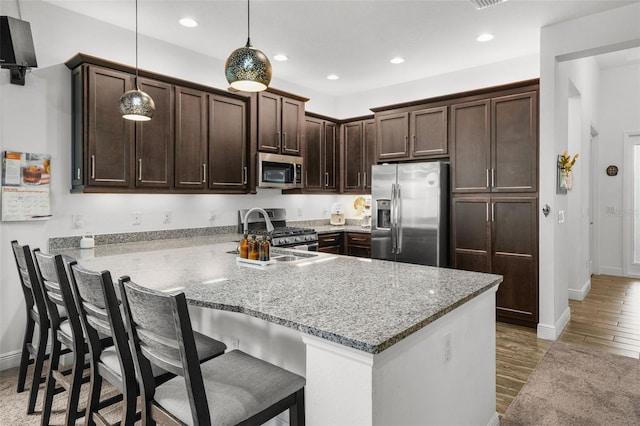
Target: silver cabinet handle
(493, 212)
(398, 219)
(488, 179)
(365, 178)
(358, 178)
(278, 141)
(78, 173)
(284, 139)
(140, 169)
(487, 213)
(93, 167)
(204, 173)
(493, 178)
(406, 142)
(326, 179)
(245, 175)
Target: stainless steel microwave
(279, 171)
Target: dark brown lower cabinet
(358, 244)
(330, 243)
(498, 234)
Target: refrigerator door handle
(394, 240)
(398, 218)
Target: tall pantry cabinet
(494, 185)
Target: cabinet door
(353, 155)
(227, 144)
(369, 152)
(110, 137)
(392, 136)
(428, 132)
(470, 147)
(358, 244)
(292, 125)
(269, 116)
(330, 155)
(514, 256)
(191, 138)
(514, 143)
(154, 138)
(314, 169)
(330, 243)
(471, 234)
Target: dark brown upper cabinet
(154, 138)
(280, 124)
(494, 144)
(228, 169)
(358, 155)
(412, 133)
(197, 140)
(321, 155)
(110, 138)
(191, 138)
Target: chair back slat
(29, 280)
(57, 290)
(152, 315)
(90, 295)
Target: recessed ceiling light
(396, 60)
(188, 22)
(332, 77)
(485, 37)
(281, 57)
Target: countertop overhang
(365, 304)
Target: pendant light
(248, 69)
(135, 104)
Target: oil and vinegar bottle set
(253, 249)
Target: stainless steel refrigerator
(410, 218)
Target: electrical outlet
(76, 221)
(166, 217)
(234, 343)
(136, 218)
(447, 347)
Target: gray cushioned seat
(237, 387)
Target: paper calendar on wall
(25, 186)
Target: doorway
(631, 204)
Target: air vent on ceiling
(481, 4)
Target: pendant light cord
(137, 87)
(248, 25)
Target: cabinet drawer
(327, 240)
(358, 239)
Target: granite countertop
(365, 304)
(327, 229)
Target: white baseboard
(609, 270)
(582, 293)
(552, 332)
(10, 360)
(495, 420)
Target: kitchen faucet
(266, 218)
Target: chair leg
(50, 390)
(93, 402)
(296, 412)
(24, 358)
(74, 388)
(37, 371)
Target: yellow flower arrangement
(566, 162)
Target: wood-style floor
(607, 318)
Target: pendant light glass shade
(247, 68)
(135, 104)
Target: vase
(569, 176)
(564, 178)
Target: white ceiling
(353, 39)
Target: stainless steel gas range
(282, 235)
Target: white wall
(620, 113)
(37, 118)
(599, 33)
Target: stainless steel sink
(287, 256)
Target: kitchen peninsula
(379, 343)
